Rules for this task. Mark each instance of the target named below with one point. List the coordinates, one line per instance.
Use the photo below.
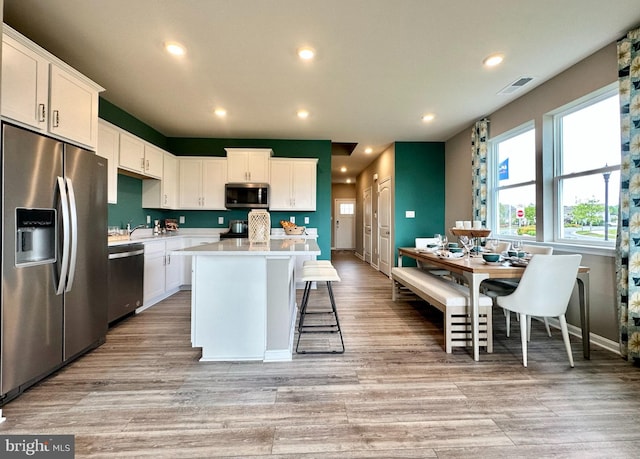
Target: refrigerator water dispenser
(35, 236)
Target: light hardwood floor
(394, 393)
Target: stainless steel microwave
(246, 195)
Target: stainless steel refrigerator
(54, 256)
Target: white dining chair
(543, 291)
(497, 287)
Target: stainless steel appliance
(237, 229)
(246, 195)
(126, 279)
(54, 256)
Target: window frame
(556, 116)
(493, 208)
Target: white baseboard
(361, 257)
(280, 355)
(595, 340)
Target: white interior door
(367, 213)
(345, 224)
(384, 226)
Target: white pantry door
(384, 226)
(367, 213)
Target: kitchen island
(243, 298)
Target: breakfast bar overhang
(243, 298)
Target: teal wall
(129, 207)
(419, 186)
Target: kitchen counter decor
(259, 226)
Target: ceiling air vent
(515, 86)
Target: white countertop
(242, 247)
(146, 234)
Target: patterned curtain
(628, 254)
(479, 136)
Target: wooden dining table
(474, 271)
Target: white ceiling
(380, 64)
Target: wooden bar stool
(310, 274)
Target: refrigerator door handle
(73, 214)
(64, 265)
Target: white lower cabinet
(163, 272)
(174, 266)
(198, 240)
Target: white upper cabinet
(131, 153)
(248, 164)
(162, 194)
(41, 92)
(108, 146)
(201, 183)
(153, 161)
(25, 84)
(140, 157)
(74, 108)
(293, 184)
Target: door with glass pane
(345, 228)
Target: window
(347, 208)
(587, 169)
(512, 183)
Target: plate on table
(493, 263)
(519, 262)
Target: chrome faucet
(131, 230)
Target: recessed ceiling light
(493, 60)
(175, 48)
(303, 114)
(348, 180)
(221, 112)
(428, 117)
(343, 169)
(306, 53)
(368, 150)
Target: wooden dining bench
(450, 298)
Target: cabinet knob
(42, 113)
(56, 118)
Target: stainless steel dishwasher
(126, 279)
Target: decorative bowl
(295, 230)
(455, 249)
(491, 257)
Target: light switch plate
(181, 218)
(220, 220)
(148, 219)
(292, 219)
(306, 220)
(410, 214)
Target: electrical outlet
(220, 220)
(292, 219)
(306, 220)
(181, 219)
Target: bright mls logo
(37, 446)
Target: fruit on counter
(287, 224)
